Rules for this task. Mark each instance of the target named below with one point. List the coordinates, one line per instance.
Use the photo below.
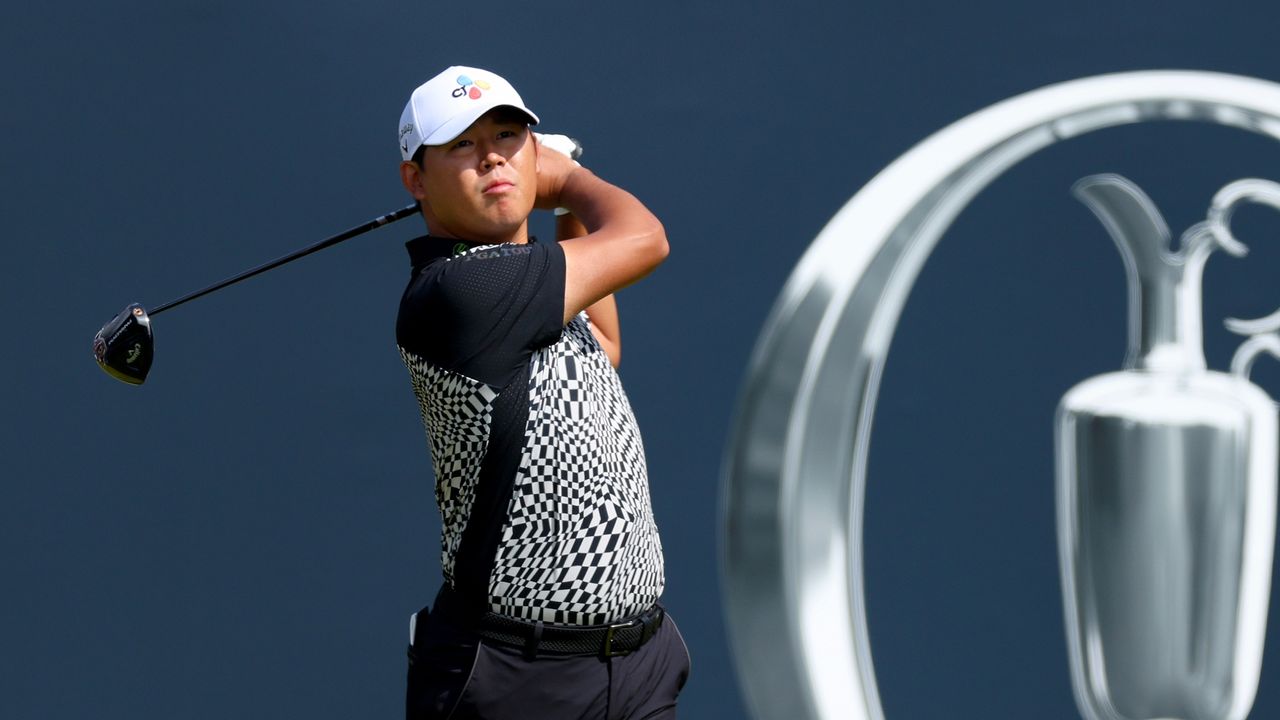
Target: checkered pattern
(580, 545)
(457, 412)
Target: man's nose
(493, 159)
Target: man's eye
(461, 144)
(507, 134)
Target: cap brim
(460, 122)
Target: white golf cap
(442, 107)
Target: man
(552, 562)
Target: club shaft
(327, 242)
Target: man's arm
(604, 313)
(624, 242)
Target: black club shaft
(377, 222)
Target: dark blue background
(245, 535)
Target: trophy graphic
(1166, 576)
(1166, 485)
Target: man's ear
(411, 177)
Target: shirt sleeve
(483, 313)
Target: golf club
(124, 347)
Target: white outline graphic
(795, 467)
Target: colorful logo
(470, 88)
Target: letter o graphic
(795, 467)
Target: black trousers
(457, 675)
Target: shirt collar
(425, 249)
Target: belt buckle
(608, 650)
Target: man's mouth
(498, 186)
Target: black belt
(611, 640)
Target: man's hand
(563, 143)
(624, 241)
(554, 168)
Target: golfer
(552, 563)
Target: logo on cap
(470, 88)
(408, 128)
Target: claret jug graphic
(1166, 485)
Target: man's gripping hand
(555, 165)
(623, 243)
(560, 143)
(568, 146)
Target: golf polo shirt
(540, 470)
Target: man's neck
(519, 237)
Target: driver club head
(123, 347)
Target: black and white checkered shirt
(540, 470)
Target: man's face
(481, 185)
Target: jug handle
(1230, 197)
(1264, 336)
(1263, 333)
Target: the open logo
(796, 466)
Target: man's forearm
(604, 313)
(624, 242)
